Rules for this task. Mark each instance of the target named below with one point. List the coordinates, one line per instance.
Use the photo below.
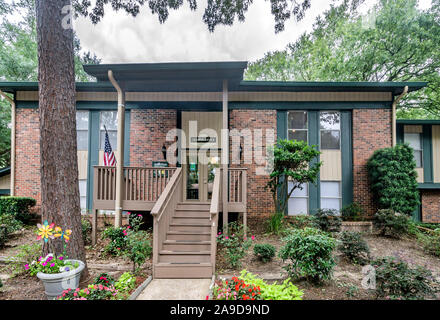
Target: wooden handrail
(164, 197)
(216, 195)
(129, 167)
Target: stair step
(183, 271)
(193, 206)
(191, 236)
(185, 257)
(195, 228)
(184, 246)
(190, 220)
(192, 213)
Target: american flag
(109, 155)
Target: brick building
(346, 121)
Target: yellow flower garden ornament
(45, 231)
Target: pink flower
(253, 237)
(75, 294)
(26, 267)
(226, 237)
(52, 264)
(60, 258)
(44, 264)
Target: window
(331, 195)
(330, 127)
(415, 141)
(109, 120)
(297, 125)
(83, 193)
(299, 200)
(82, 130)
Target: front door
(200, 153)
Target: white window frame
(293, 129)
(300, 197)
(83, 130)
(340, 194)
(102, 130)
(420, 134)
(321, 130)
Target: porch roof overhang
(205, 77)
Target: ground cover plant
(264, 251)
(354, 247)
(234, 244)
(391, 223)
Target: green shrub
(300, 222)
(86, 228)
(104, 279)
(284, 291)
(234, 244)
(394, 179)
(15, 265)
(138, 248)
(431, 242)
(118, 240)
(18, 207)
(264, 251)
(125, 284)
(10, 223)
(352, 212)
(353, 247)
(327, 220)
(309, 252)
(275, 224)
(392, 224)
(396, 280)
(3, 235)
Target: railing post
(244, 199)
(94, 226)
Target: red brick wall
(148, 130)
(430, 206)
(259, 199)
(371, 131)
(27, 165)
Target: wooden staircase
(186, 250)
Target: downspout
(12, 102)
(120, 153)
(394, 124)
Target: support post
(12, 102)
(225, 156)
(120, 153)
(94, 226)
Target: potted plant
(57, 272)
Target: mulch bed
(25, 287)
(347, 277)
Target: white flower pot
(56, 283)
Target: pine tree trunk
(60, 202)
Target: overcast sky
(119, 38)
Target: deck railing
(214, 211)
(140, 186)
(237, 189)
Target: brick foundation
(259, 199)
(430, 206)
(27, 164)
(148, 130)
(371, 131)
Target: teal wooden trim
(399, 133)
(313, 138)
(282, 135)
(428, 186)
(282, 125)
(5, 192)
(417, 122)
(282, 105)
(417, 214)
(427, 154)
(93, 154)
(127, 138)
(347, 158)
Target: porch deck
(142, 187)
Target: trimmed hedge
(18, 207)
(394, 178)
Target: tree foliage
(394, 41)
(217, 12)
(19, 59)
(394, 179)
(293, 161)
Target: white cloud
(119, 38)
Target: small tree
(394, 179)
(292, 161)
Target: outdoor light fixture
(164, 152)
(241, 151)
